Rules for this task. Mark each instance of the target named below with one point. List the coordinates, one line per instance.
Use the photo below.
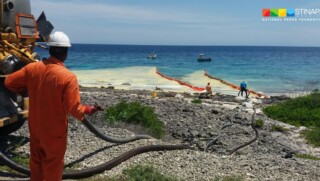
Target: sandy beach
(146, 78)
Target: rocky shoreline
(193, 124)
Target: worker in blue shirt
(243, 88)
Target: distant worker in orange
(206, 93)
(54, 94)
(208, 89)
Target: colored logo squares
(266, 12)
(290, 12)
(274, 12)
(281, 12)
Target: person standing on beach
(54, 93)
(243, 88)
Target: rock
(194, 133)
(281, 97)
(159, 89)
(259, 112)
(288, 155)
(170, 94)
(248, 110)
(186, 110)
(256, 101)
(185, 134)
(240, 99)
(247, 104)
(229, 106)
(215, 111)
(178, 96)
(250, 175)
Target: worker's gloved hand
(90, 110)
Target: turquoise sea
(271, 70)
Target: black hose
(251, 141)
(213, 141)
(121, 158)
(106, 166)
(111, 139)
(13, 165)
(85, 173)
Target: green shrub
(144, 173)
(196, 101)
(96, 178)
(278, 128)
(136, 173)
(21, 159)
(301, 111)
(136, 113)
(259, 123)
(306, 156)
(312, 136)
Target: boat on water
(152, 56)
(203, 58)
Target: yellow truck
(20, 33)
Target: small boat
(152, 56)
(203, 58)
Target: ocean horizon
(193, 45)
(272, 70)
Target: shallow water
(272, 70)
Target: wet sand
(146, 78)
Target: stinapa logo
(282, 12)
(290, 14)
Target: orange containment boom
(180, 82)
(234, 86)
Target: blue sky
(178, 22)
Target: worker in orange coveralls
(209, 89)
(53, 93)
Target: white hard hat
(59, 39)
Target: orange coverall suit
(53, 93)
